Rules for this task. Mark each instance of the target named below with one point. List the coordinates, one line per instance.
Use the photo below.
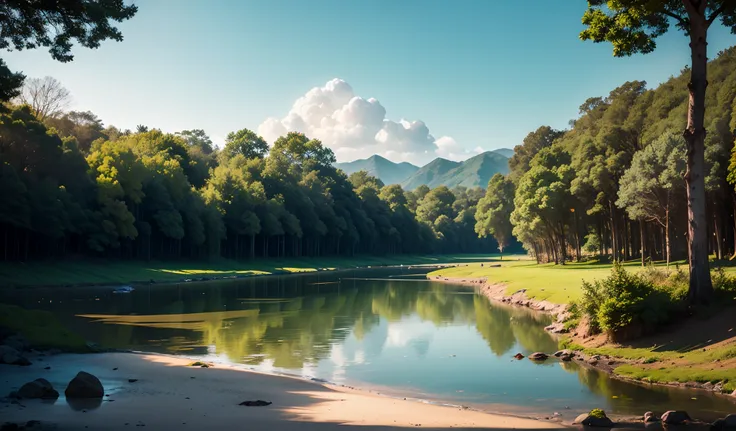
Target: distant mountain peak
(504, 152)
(473, 172)
(380, 167)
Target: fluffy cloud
(354, 127)
(448, 148)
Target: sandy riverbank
(168, 394)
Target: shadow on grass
(701, 330)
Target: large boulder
(18, 342)
(726, 424)
(675, 417)
(596, 418)
(650, 417)
(39, 388)
(538, 356)
(84, 385)
(11, 356)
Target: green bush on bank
(626, 302)
(626, 305)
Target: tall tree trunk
(701, 288)
(600, 239)
(667, 235)
(614, 241)
(642, 241)
(717, 232)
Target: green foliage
(625, 300)
(493, 216)
(597, 413)
(27, 24)
(632, 26)
(723, 283)
(246, 143)
(592, 243)
(10, 85)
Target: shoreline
(188, 394)
(195, 278)
(496, 292)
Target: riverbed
(389, 330)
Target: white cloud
(450, 149)
(354, 127)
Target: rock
(561, 353)
(675, 417)
(18, 342)
(566, 358)
(84, 385)
(39, 388)
(587, 419)
(94, 347)
(726, 424)
(538, 356)
(650, 417)
(257, 403)
(520, 356)
(11, 356)
(592, 361)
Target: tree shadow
(693, 333)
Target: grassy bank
(715, 363)
(559, 284)
(65, 273)
(702, 350)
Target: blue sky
(479, 74)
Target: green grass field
(663, 366)
(64, 273)
(559, 284)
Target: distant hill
(430, 173)
(386, 170)
(474, 172)
(504, 152)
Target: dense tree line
(614, 183)
(72, 186)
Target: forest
(610, 185)
(72, 186)
(613, 184)
(620, 182)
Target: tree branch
(679, 19)
(715, 14)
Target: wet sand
(169, 394)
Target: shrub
(625, 304)
(592, 243)
(597, 413)
(722, 282)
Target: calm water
(387, 329)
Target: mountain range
(473, 172)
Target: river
(389, 330)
